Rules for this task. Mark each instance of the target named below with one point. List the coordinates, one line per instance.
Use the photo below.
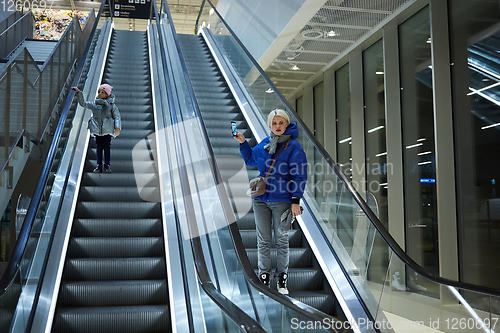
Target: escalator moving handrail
(198, 18)
(248, 271)
(242, 319)
(391, 242)
(20, 246)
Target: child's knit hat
(107, 88)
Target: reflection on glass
(418, 143)
(456, 314)
(475, 48)
(376, 150)
(344, 157)
(319, 113)
(299, 107)
(343, 103)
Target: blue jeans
(267, 213)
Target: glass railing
(13, 30)
(213, 222)
(29, 94)
(384, 277)
(19, 285)
(9, 20)
(219, 312)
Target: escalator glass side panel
(475, 78)
(401, 289)
(456, 309)
(212, 226)
(115, 269)
(17, 304)
(343, 223)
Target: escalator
(114, 277)
(306, 282)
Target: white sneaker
(415, 286)
(265, 278)
(282, 289)
(396, 282)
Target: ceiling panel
(332, 30)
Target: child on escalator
(104, 124)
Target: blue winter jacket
(289, 175)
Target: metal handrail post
(25, 89)
(7, 112)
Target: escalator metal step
(124, 154)
(122, 166)
(133, 210)
(97, 269)
(130, 319)
(118, 194)
(117, 227)
(113, 293)
(114, 279)
(121, 143)
(109, 247)
(115, 178)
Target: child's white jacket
(105, 115)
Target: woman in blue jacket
(285, 187)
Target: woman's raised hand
(240, 137)
(75, 89)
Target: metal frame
(67, 180)
(180, 310)
(357, 122)
(242, 319)
(444, 142)
(405, 13)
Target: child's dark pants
(103, 143)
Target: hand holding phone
(233, 128)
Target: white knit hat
(276, 113)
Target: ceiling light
(331, 33)
(426, 162)
(413, 146)
(483, 89)
(489, 126)
(429, 40)
(312, 33)
(381, 154)
(269, 91)
(424, 153)
(375, 129)
(295, 68)
(345, 140)
(421, 139)
(379, 73)
(211, 12)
